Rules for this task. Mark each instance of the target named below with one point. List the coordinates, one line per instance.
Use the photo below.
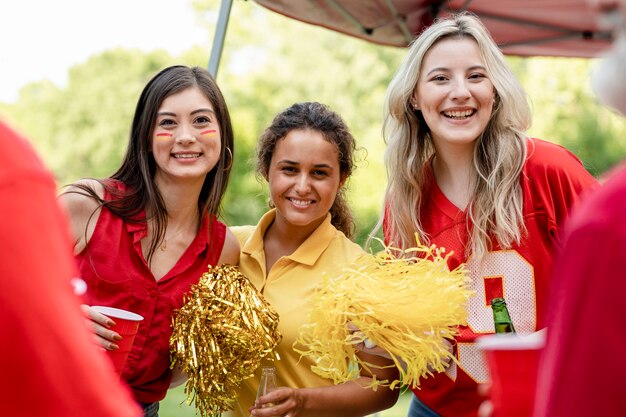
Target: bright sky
(42, 39)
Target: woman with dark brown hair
(147, 233)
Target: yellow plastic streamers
(407, 306)
(220, 336)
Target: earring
(230, 157)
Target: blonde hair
(495, 210)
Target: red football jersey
(552, 181)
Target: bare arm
(369, 347)
(230, 252)
(82, 212)
(343, 400)
(178, 377)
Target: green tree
(284, 61)
(268, 63)
(82, 129)
(567, 112)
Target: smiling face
(304, 178)
(186, 138)
(454, 93)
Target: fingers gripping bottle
(268, 383)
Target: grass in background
(174, 405)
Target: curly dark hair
(318, 117)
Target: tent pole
(220, 34)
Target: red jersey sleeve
(557, 179)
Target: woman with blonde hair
(463, 175)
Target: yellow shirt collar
(308, 253)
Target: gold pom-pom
(220, 336)
(406, 305)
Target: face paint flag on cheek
(163, 135)
(209, 134)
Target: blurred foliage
(567, 112)
(268, 63)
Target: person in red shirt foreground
(145, 235)
(581, 370)
(51, 366)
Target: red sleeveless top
(117, 275)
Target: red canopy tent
(521, 27)
(565, 28)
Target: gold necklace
(163, 246)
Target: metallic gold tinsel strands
(220, 336)
(407, 306)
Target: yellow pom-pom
(406, 305)
(220, 336)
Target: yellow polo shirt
(289, 287)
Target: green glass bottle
(501, 318)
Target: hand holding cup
(115, 330)
(101, 326)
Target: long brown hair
(139, 167)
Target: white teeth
(186, 155)
(301, 203)
(458, 114)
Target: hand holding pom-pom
(408, 307)
(220, 337)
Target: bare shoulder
(75, 199)
(230, 251)
(82, 210)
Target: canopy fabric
(567, 28)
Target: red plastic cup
(126, 325)
(513, 362)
